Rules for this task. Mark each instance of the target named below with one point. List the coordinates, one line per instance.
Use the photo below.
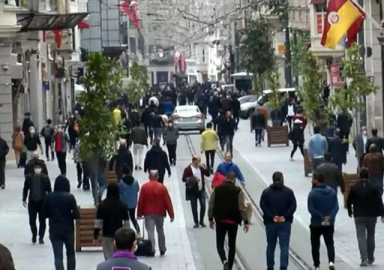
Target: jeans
(327, 233)
(258, 135)
(316, 162)
(2, 172)
(61, 160)
(210, 158)
(57, 244)
(132, 217)
(97, 180)
(48, 146)
(221, 231)
(34, 209)
(281, 231)
(365, 232)
(379, 183)
(172, 153)
(229, 143)
(202, 200)
(157, 132)
(138, 150)
(155, 221)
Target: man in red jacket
(154, 204)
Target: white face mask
(38, 170)
(365, 132)
(32, 131)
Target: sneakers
(371, 261)
(202, 224)
(162, 253)
(331, 266)
(225, 265)
(41, 241)
(196, 226)
(364, 262)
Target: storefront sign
(320, 19)
(336, 79)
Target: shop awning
(83, 25)
(47, 22)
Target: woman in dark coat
(296, 135)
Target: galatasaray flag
(343, 17)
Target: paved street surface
(15, 232)
(264, 161)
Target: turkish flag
(129, 7)
(58, 38)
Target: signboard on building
(336, 79)
(320, 19)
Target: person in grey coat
(170, 135)
(124, 257)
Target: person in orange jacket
(154, 204)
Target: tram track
(240, 261)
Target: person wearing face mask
(36, 186)
(170, 136)
(32, 142)
(60, 142)
(125, 242)
(31, 164)
(359, 144)
(278, 204)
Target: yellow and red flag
(343, 17)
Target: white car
(188, 117)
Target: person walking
(47, 132)
(60, 207)
(72, 128)
(32, 142)
(374, 162)
(129, 192)
(17, 144)
(27, 123)
(229, 130)
(359, 144)
(336, 148)
(296, 135)
(317, 147)
(323, 207)
(331, 173)
(29, 167)
(154, 204)
(157, 125)
(278, 204)
(226, 212)
(111, 215)
(157, 159)
(193, 177)
(140, 139)
(227, 166)
(364, 204)
(36, 187)
(60, 142)
(344, 124)
(258, 124)
(125, 241)
(4, 150)
(170, 135)
(123, 157)
(375, 139)
(209, 143)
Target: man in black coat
(36, 186)
(337, 150)
(333, 176)
(376, 140)
(344, 123)
(31, 164)
(157, 159)
(123, 157)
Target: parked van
(249, 103)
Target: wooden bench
(349, 181)
(109, 177)
(307, 163)
(84, 228)
(277, 135)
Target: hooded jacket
(129, 190)
(156, 159)
(60, 207)
(29, 167)
(278, 200)
(322, 202)
(171, 134)
(112, 213)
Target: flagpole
(368, 16)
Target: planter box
(277, 135)
(307, 163)
(84, 228)
(349, 181)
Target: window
(203, 55)
(320, 7)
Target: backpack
(47, 131)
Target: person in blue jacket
(323, 207)
(228, 166)
(168, 107)
(129, 190)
